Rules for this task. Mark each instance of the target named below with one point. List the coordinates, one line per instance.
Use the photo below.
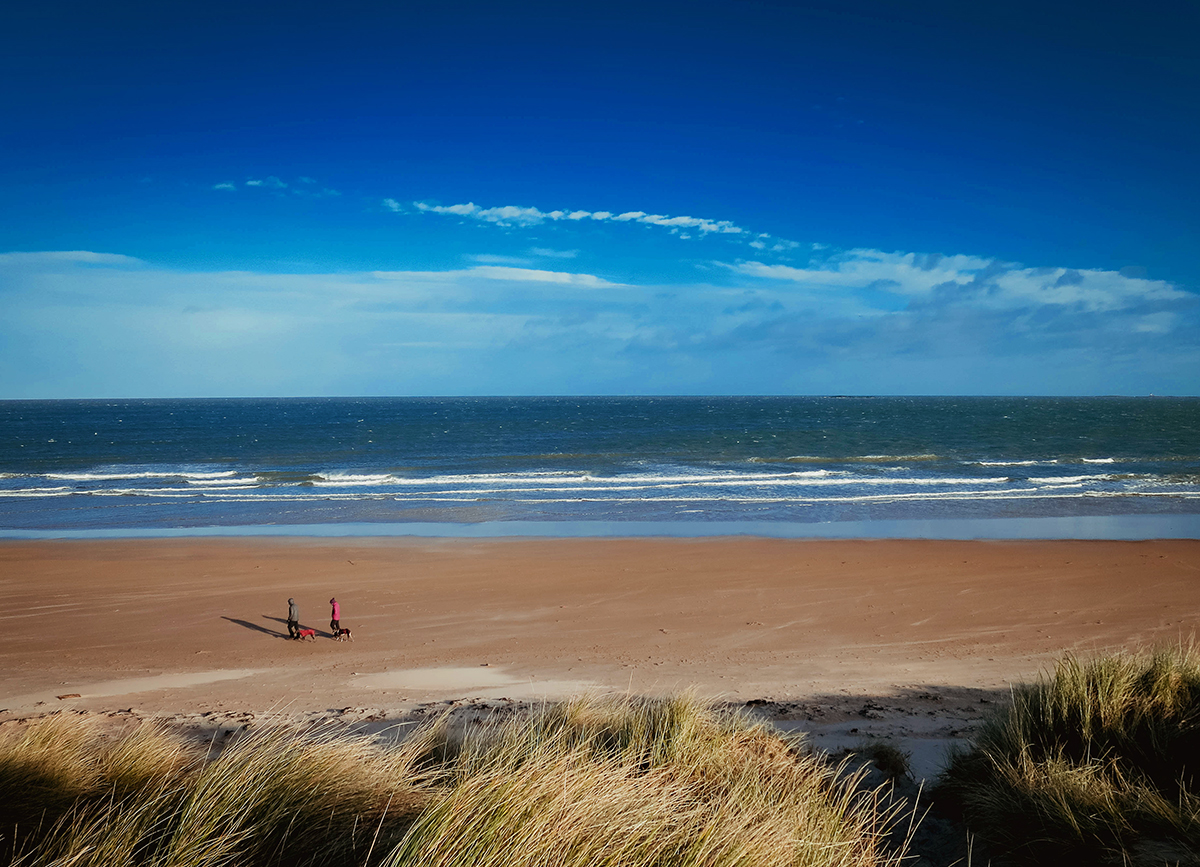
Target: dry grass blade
(642, 783)
(1097, 761)
(617, 782)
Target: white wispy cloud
(768, 244)
(84, 257)
(533, 275)
(507, 215)
(518, 216)
(887, 322)
(303, 187)
(505, 273)
(492, 259)
(547, 253)
(983, 283)
(521, 217)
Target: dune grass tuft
(886, 757)
(1095, 763)
(279, 796)
(595, 782)
(628, 782)
(62, 763)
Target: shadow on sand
(257, 628)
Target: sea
(927, 467)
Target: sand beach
(845, 639)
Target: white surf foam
(1068, 480)
(156, 474)
(350, 479)
(1010, 463)
(231, 482)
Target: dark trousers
(334, 626)
(293, 629)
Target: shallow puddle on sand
(481, 677)
(165, 681)
(483, 681)
(130, 685)
(928, 754)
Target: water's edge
(1106, 527)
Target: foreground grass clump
(63, 761)
(642, 783)
(590, 783)
(277, 797)
(1096, 763)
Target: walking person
(293, 619)
(335, 617)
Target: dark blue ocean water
(159, 464)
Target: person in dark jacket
(293, 619)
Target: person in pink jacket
(335, 618)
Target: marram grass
(592, 782)
(62, 762)
(280, 797)
(1096, 763)
(642, 783)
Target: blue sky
(618, 198)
